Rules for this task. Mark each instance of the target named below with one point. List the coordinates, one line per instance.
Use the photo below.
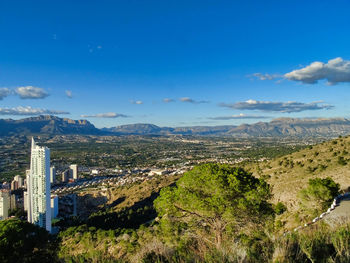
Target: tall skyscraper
(38, 187)
(74, 171)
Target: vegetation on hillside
(213, 213)
(290, 174)
(21, 241)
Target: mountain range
(282, 127)
(46, 124)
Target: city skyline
(175, 63)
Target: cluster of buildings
(37, 200)
(70, 174)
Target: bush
(280, 208)
(341, 160)
(319, 193)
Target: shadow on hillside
(116, 202)
(133, 217)
(88, 204)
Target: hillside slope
(291, 173)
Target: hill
(291, 173)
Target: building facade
(54, 206)
(65, 176)
(74, 171)
(38, 187)
(4, 204)
(52, 174)
(20, 181)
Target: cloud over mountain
(270, 106)
(105, 115)
(334, 71)
(29, 111)
(30, 92)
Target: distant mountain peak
(47, 124)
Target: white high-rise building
(74, 171)
(53, 174)
(4, 204)
(26, 180)
(38, 187)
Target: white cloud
(167, 100)
(138, 102)
(270, 106)
(30, 92)
(266, 76)
(105, 115)
(4, 92)
(239, 116)
(189, 100)
(69, 94)
(29, 111)
(334, 71)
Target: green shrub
(280, 208)
(319, 193)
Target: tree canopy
(216, 198)
(21, 241)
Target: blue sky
(114, 62)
